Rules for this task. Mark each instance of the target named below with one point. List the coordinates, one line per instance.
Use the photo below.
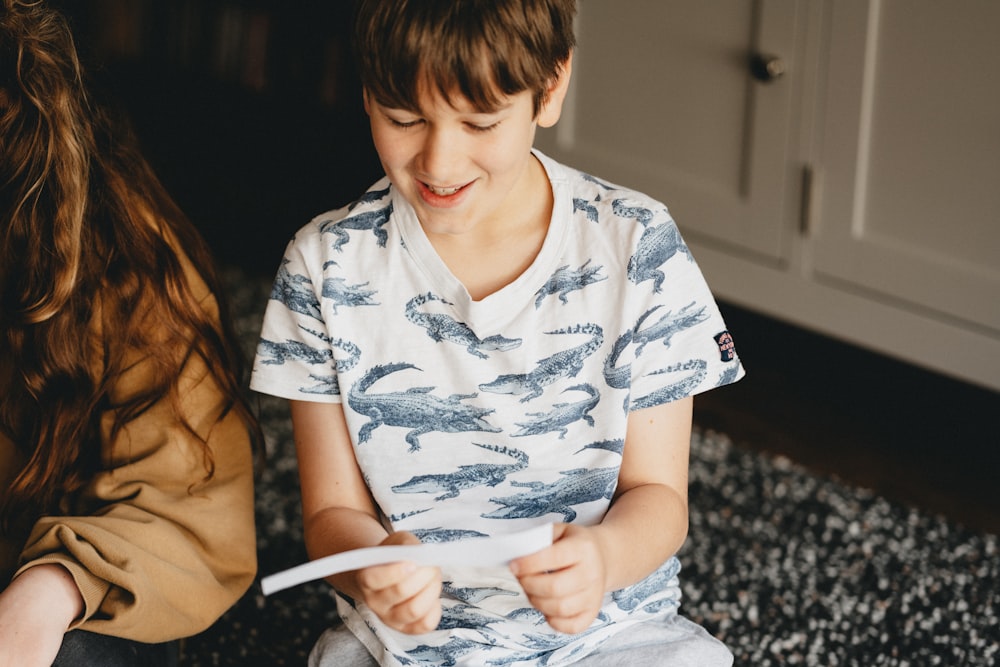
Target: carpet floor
(786, 567)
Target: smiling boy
(487, 341)
(478, 192)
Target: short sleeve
(295, 356)
(680, 343)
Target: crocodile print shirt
(474, 418)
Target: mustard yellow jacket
(157, 551)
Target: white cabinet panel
(911, 155)
(663, 101)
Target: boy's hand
(405, 596)
(565, 581)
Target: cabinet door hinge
(808, 199)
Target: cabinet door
(910, 201)
(662, 101)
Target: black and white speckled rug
(786, 567)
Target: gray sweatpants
(677, 642)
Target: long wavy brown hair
(87, 243)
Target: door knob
(766, 67)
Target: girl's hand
(35, 611)
(405, 596)
(566, 582)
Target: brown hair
(482, 49)
(89, 242)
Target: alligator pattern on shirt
(470, 419)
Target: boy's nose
(439, 156)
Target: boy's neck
(491, 257)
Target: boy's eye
(483, 128)
(403, 123)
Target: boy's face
(462, 169)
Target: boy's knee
(338, 646)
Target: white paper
(481, 552)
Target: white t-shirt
(474, 418)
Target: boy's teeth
(443, 191)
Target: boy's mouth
(444, 191)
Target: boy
(486, 341)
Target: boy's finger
(550, 559)
(419, 581)
(381, 577)
(535, 564)
(551, 584)
(420, 608)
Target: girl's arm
(339, 514)
(156, 550)
(35, 611)
(646, 524)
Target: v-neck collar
(496, 309)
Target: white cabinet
(911, 155)
(661, 101)
(856, 194)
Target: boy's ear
(364, 99)
(555, 95)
